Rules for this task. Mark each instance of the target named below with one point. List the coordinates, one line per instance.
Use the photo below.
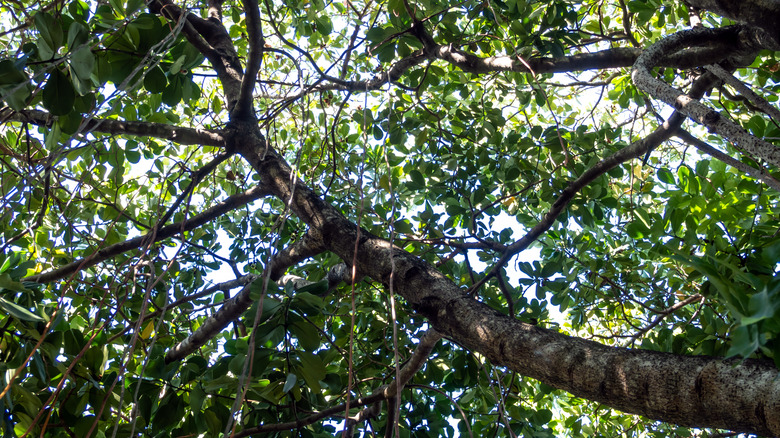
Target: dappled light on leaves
(399, 218)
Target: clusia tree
(400, 218)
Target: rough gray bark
(760, 13)
(691, 106)
(690, 391)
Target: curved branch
(609, 58)
(756, 12)
(692, 107)
(634, 150)
(605, 59)
(234, 307)
(687, 390)
(230, 310)
(758, 101)
(300, 250)
(196, 221)
(211, 38)
(176, 134)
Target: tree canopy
(389, 218)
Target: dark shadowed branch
(244, 107)
(109, 252)
(176, 134)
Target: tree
(256, 219)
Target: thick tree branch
(690, 391)
(300, 250)
(215, 9)
(196, 221)
(175, 134)
(211, 38)
(760, 13)
(634, 150)
(605, 59)
(230, 310)
(697, 111)
(244, 109)
(234, 307)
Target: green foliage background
(436, 157)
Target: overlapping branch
(213, 324)
(691, 106)
(231, 309)
(176, 134)
(163, 233)
(702, 146)
(634, 150)
(428, 341)
(210, 37)
(695, 391)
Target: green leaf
(292, 379)
(79, 10)
(308, 336)
(134, 6)
(6, 282)
(77, 35)
(744, 341)
(9, 74)
(96, 358)
(173, 92)
(74, 342)
(313, 369)
(13, 87)
(417, 178)
(82, 63)
(118, 6)
(728, 290)
(70, 123)
(307, 303)
(50, 32)
(311, 292)
(155, 80)
(58, 94)
(197, 397)
(762, 305)
(666, 176)
(18, 311)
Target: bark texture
(690, 391)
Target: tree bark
(685, 390)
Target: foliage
(453, 166)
